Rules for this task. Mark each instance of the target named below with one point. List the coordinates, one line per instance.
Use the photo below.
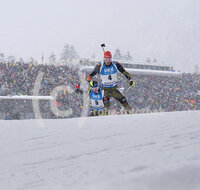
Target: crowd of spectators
(19, 79)
(164, 93)
(153, 93)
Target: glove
(91, 84)
(132, 82)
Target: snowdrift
(158, 151)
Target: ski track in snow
(142, 151)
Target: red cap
(107, 55)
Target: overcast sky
(168, 30)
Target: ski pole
(128, 89)
(133, 84)
(103, 45)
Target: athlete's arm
(123, 71)
(94, 72)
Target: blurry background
(168, 31)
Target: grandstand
(198, 100)
(138, 67)
(21, 107)
(155, 88)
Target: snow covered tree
(52, 59)
(1, 57)
(74, 54)
(93, 56)
(148, 60)
(11, 59)
(117, 54)
(21, 60)
(66, 54)
(31, 60)
(196, 69)
(128, 56)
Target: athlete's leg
(106, 97)
(121, 99)
(106, 100)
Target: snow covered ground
(158, 151)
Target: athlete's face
(107, 61)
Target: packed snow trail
(158, 151)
